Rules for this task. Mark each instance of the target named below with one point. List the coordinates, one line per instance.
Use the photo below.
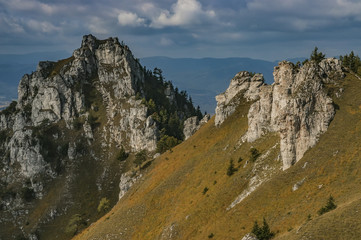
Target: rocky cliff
(296, 105)
(78, 111)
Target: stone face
(243, 85)
(58, 91)
(126, 182)
(77, 112)
(295, 105)
(192, 124)
(249, 236)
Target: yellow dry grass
(169, 198)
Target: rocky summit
(80, 113)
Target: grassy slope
(170, 194)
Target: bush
(77, 123)
(205, 190)
(166, 143)
(75, 223)
(264, 232)
(231, 169)
(329, 206)
(254, 154)
(104, 205)
(122, 155)
(140, 157)
(10, 109)
(27, 194)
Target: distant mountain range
(202, 78)
(205, 78)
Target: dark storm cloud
(271, 29)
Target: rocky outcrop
(192, 124)
(81, 111)
(296, 105)
(249, 236)
(243, 85)
(127, 180)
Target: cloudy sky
(263, 29)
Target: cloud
(166, 41)
(184, 13)
(129, 19)
(183, 27)
(29, 5)
(98, 26)
(10, 25)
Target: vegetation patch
(122, 155)
(75, 224)
(254, 154)
(331, 205)
(11, 109)
(104, 205)
(264, 232)
(231, 169)
(55, 70)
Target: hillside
(187, 194)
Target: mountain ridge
(188, 193)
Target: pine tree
(231, 169)
(264, 232)
(317, 56)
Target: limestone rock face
(244, 85)
(249, 236)
(126, 182)
(296, 105)
(60, 90)
(192, 124)
(74, 116)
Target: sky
(261, 29)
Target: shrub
(205, 190)
(3, 136)
(104, 205)
(92, 120)
(27, 194)
(240, 159)
(75, 223)
(10, 109)
(264, 232)
(166, 143)
(77, 124)
(254, 154)
(122, 155)
(140, 157)
(329, 206)
(231, 169)
(211, 235)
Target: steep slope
(64, 143)
(187, 193)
